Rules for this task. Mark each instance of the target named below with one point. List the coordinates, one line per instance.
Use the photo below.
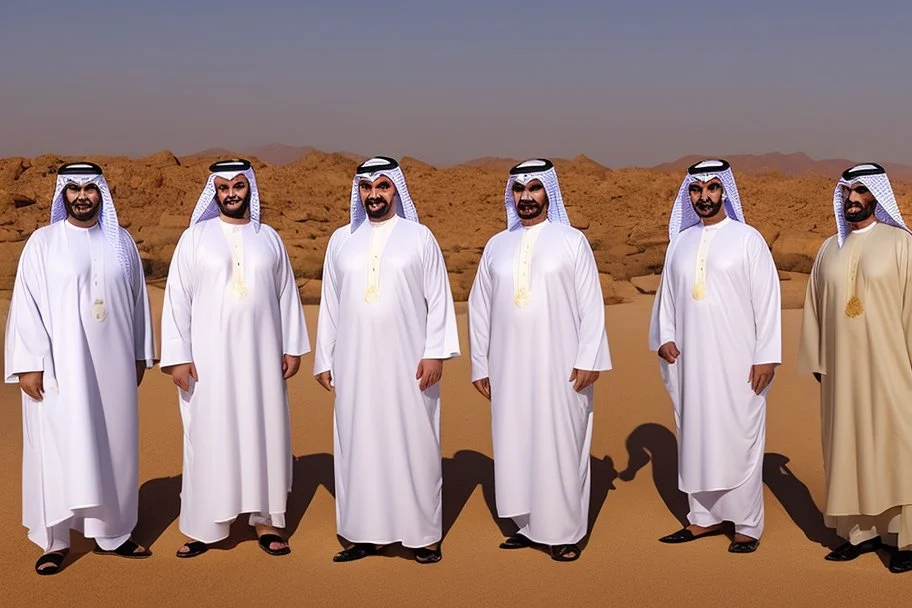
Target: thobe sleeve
(592, 352)
(766, 303)
(295, 340)
(177, 347)
(810, 346)
(662, 323)
(441, 338)
(28, 344)
(327, 318)
(143, 339)
(480, 303)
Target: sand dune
(634, 501)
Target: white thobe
(232, 308)
(386, 430)
(720, 421)
(536, 312)
(81, 442)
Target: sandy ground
(634, 501)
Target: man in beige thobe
(856, 339)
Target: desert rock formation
(623, 212)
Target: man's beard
(239, 212)
(82, 215)
(378, 212)
(855, 212)
(529, 210)
(705, 208)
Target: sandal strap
(55, 558)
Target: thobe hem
(405, 543)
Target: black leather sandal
(267, 539)
(685, 536)
(129, 549)
(54, 558)
(516, 541)
(195, 547)
(428, 556)
(357, 551)
(747, 546)
(561, 553)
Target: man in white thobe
(232, 334)
(387, 323)
(716, 324)
(538, 342)
(856, 338)
(78, 340)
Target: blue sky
(628, 83)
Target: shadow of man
(653, 442)
(796, 500)
(462, 473)
(308, 474)
(602, 475)
(159, 507)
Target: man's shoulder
(568, 231)
(42, 232)
(898, 233)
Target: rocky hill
(623, 212)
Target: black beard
(236, 214)
(529, 210)
(380, 211)
(81, 216)
(707, 208)
(857, 216)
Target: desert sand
(634, 502)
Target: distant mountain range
(797, 163)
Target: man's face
(531, 199)
(378, 197)
(233, 196)
(858, 203)
(706, 197)
(82, 202)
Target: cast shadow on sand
(796, 500)
(654, 442)
(469, 469)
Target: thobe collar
(865, 229)
(718, 224)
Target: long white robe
(721, 423)
(237, 438)
(386, 430)
(81, 443)
(866, 380)
(542, 427)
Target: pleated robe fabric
(386, 440)
(541, 427)
(720, 421)
(237, 436)
(866, 368)
(81, 443)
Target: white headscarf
(874, 177)
(83, 173)
(207, 207)
(683, 215)
(372, 170)
(541, 169)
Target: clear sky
(633, 82)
